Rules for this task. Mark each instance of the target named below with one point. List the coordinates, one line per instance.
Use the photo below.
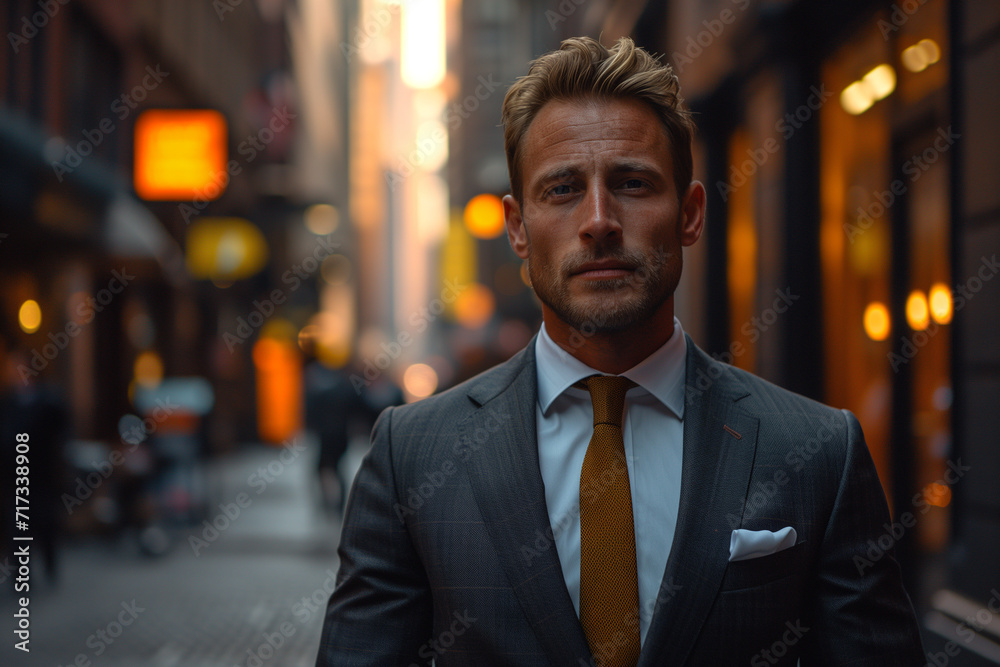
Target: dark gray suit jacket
(447, 552)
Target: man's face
(601, 223)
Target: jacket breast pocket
(765, 569)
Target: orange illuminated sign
(180, 154)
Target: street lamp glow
(881, 80)
(856, 98)
(940, 303)
(423, 43)
(877, 321)
(916, 310)
(29, 316)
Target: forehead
(583, 129)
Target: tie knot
(607, 393)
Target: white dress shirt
(653, 432)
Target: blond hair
(583, 67)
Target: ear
(692, 213)
(517, 234)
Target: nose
(600, 217)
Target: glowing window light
(29, 316)
(484, 216)
(921, 55)
(940, 303)
(420, 380)
(916, 310)
(423, 43)
(180, 154)
(881, 80)
(856, 98)
(876, 321)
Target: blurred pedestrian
(332, 406)
(33, 407)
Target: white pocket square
(747, 544)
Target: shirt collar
(662, 373)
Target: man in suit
(612, 495)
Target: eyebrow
(564, 172)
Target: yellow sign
(180, 154)
(225, 249)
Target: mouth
(603, 270)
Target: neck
(616, 352)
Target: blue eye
(561, 189)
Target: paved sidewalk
(251, 594)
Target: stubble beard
(608, 308)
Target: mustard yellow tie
(609, 587)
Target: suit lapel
(507, 484)
(714, 480)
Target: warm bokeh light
(916, 310)
(881, 80)
(180, 154)
(321, 219)
(475, 306)
(484, 216)
(940, 303)
(225, 249)
(420, 381)
(422, 41)
(29, 316)
(856, 98)
(279, 389)
(148, 369)
(877, 321)
(921, 55)
(937, 494)
(877, 84)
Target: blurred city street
(233, 232)
(254, 596)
